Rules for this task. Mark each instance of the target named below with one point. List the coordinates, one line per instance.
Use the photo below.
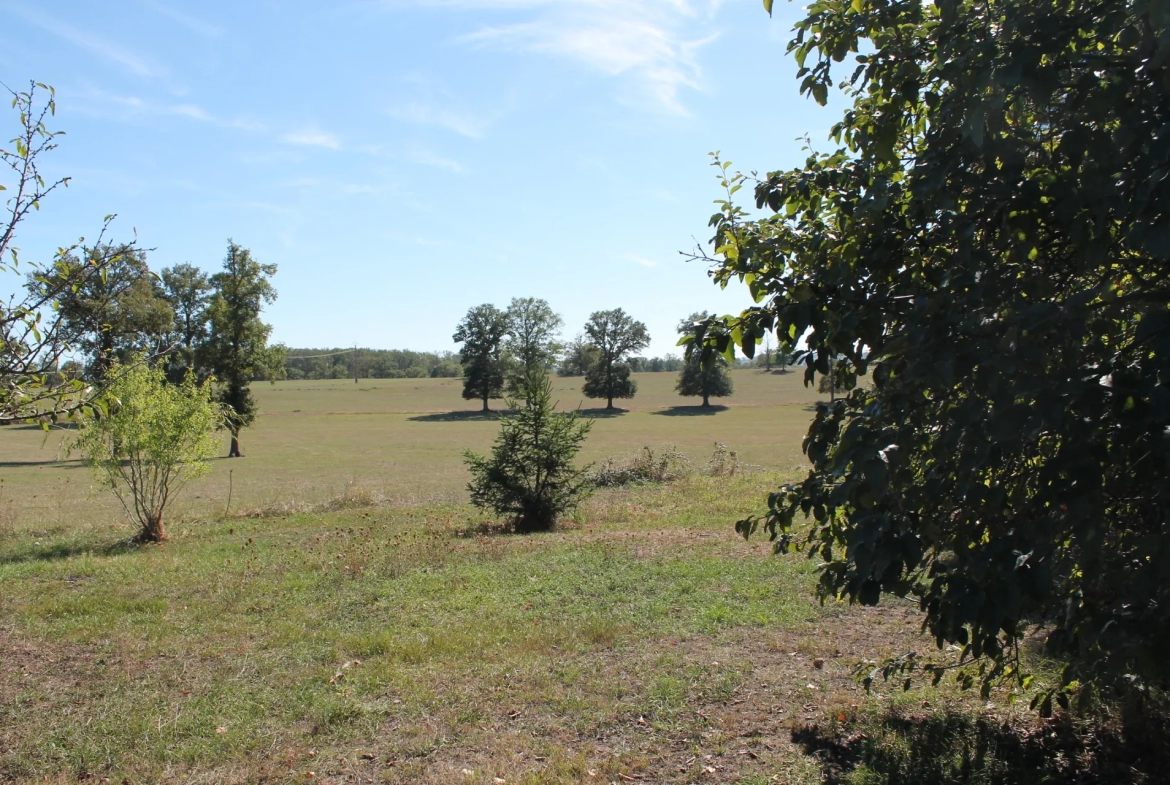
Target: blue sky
(404, 160)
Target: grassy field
(401, 439)
(396, 635)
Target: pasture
(401, 439)
(351, 619)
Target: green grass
(401, 439)
(234, 645)
(393, 635)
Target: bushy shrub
(151, 439)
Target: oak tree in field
(485, 365)
(110, 316)
(989, 242)
(533, 330)
(236, 350)
(150, 438)
(577, 357)
(708, 379)
(34, 339)
(530, 475)
(188, 290)
(616, 336)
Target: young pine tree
(530, 475)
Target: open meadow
(352, 619)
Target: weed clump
(644, 467)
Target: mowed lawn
(408, 640)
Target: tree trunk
(152, 530)
(706, 401)
(485, 406)
(235, 449)
(609, 403)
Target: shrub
(530, 474)
(150, 440)
(646, 466)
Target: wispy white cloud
(102, 103)
(642, 260)
(334, 187)
(311, 137)
(416, 154)
(192, 111)
(652, 42)
(464, 123)
(91, 43)
(195, 25)
(428, 158)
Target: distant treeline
(341, 363)
(369, 364)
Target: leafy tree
(111, 316)
(578, 357)
(151, 439)
(990, 242)
(33, 334)
(533, 329)
(237, 350)
(530, 475)
(709, 379)
(188, 290)
(482, 333)
(615, 335)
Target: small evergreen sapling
(530, 475)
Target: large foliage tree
(33, 335)
(533, 332)
(616, 335)
(188, 290)
(577, 357)
(990, 243)
(706, 379)
(485, 364)
(111, 316)
(236, 350)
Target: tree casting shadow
(459, 416)
(691, 411)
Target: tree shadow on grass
(691, 411)
(602, 412)
(459, 416)
(74, 463)
(66, 550)
(952, 747)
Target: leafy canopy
(989, 242)
(708, 379)
(482, 332)
(236, 350)
(615, 335)
(35, 335)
